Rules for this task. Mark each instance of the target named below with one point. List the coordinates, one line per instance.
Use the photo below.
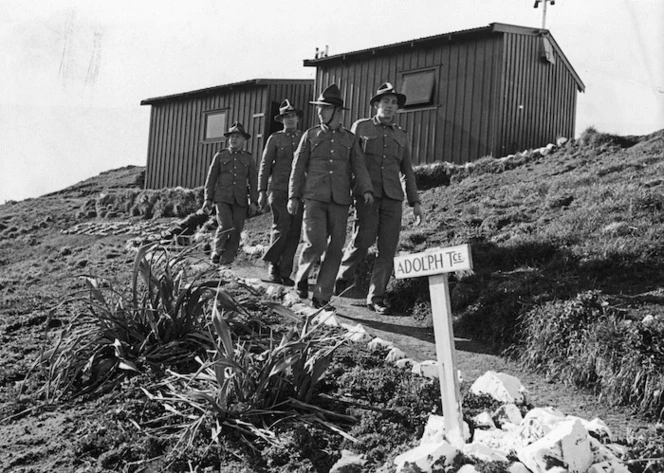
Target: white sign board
(434, 261)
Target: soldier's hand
(293, 205)
(252, 209)
(368, 198)
(262, 200)
(207, 206)
(417, 213)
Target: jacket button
(330, 172)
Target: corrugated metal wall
(177, 154)
(539, 97)
(458, 127)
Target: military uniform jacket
(277, 160)
(231, 177)
(388, 161)
(324, 165)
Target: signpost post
(436, 263)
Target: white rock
(379, 342)
(427, 368)
(395, 354)
(499, 440)
(327, 317)
(274, 291)
(561, 141)
(483, 420)
(566, 448)
(501, 386)
(290, 299)
(608, 467)
(508, 413)
(347, 461)
(425, 455)
(483, 452)
(597, 427)
(601, 453)
(468, 469)
(404, 363)
(648, 319)
(356, 333)
(536, 424)
(518, 467)
(434, 431)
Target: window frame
(206, 115)
(434, 70)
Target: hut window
(418, 87)
(215, 125)
(546, 51)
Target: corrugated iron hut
(486, 91)
(187, 129)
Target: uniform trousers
(324, 232)
(285, 236)
(379, 222)
(230, 218)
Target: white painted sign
(434, 261)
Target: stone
(518, 467)
(395, 354)
(596, 427)
(349, 463)
(483, 452)
(427, 369)
(483, 420)
(499, 440)
(356, 333)
(425, 455)
(608, 467)
(501, 386)
(468, 469)
(507, 413)
(565, 448)
(378, 343)
(536, 424)
(434, 430)
(404, 363)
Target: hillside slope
(543, 229)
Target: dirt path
(473, 359)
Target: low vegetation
(202, 371)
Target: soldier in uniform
(387, 155)
(276, 167)
(326, 160)
(231, 187)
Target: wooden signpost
(436, 263)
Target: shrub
(160, 320)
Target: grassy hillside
(567, 254)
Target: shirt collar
(377, 122)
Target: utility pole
(537, 2)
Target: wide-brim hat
(237, 127)
(330, 97)
(388, 89)
(285, 108)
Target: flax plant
(250, 386)
(158, 321)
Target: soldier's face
(386, 107)
(290, 121)
(236, 140)
(325, 113)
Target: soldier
(276, 167)
(387, 155)
(326, 160)
(230, 186)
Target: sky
(73, 72)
